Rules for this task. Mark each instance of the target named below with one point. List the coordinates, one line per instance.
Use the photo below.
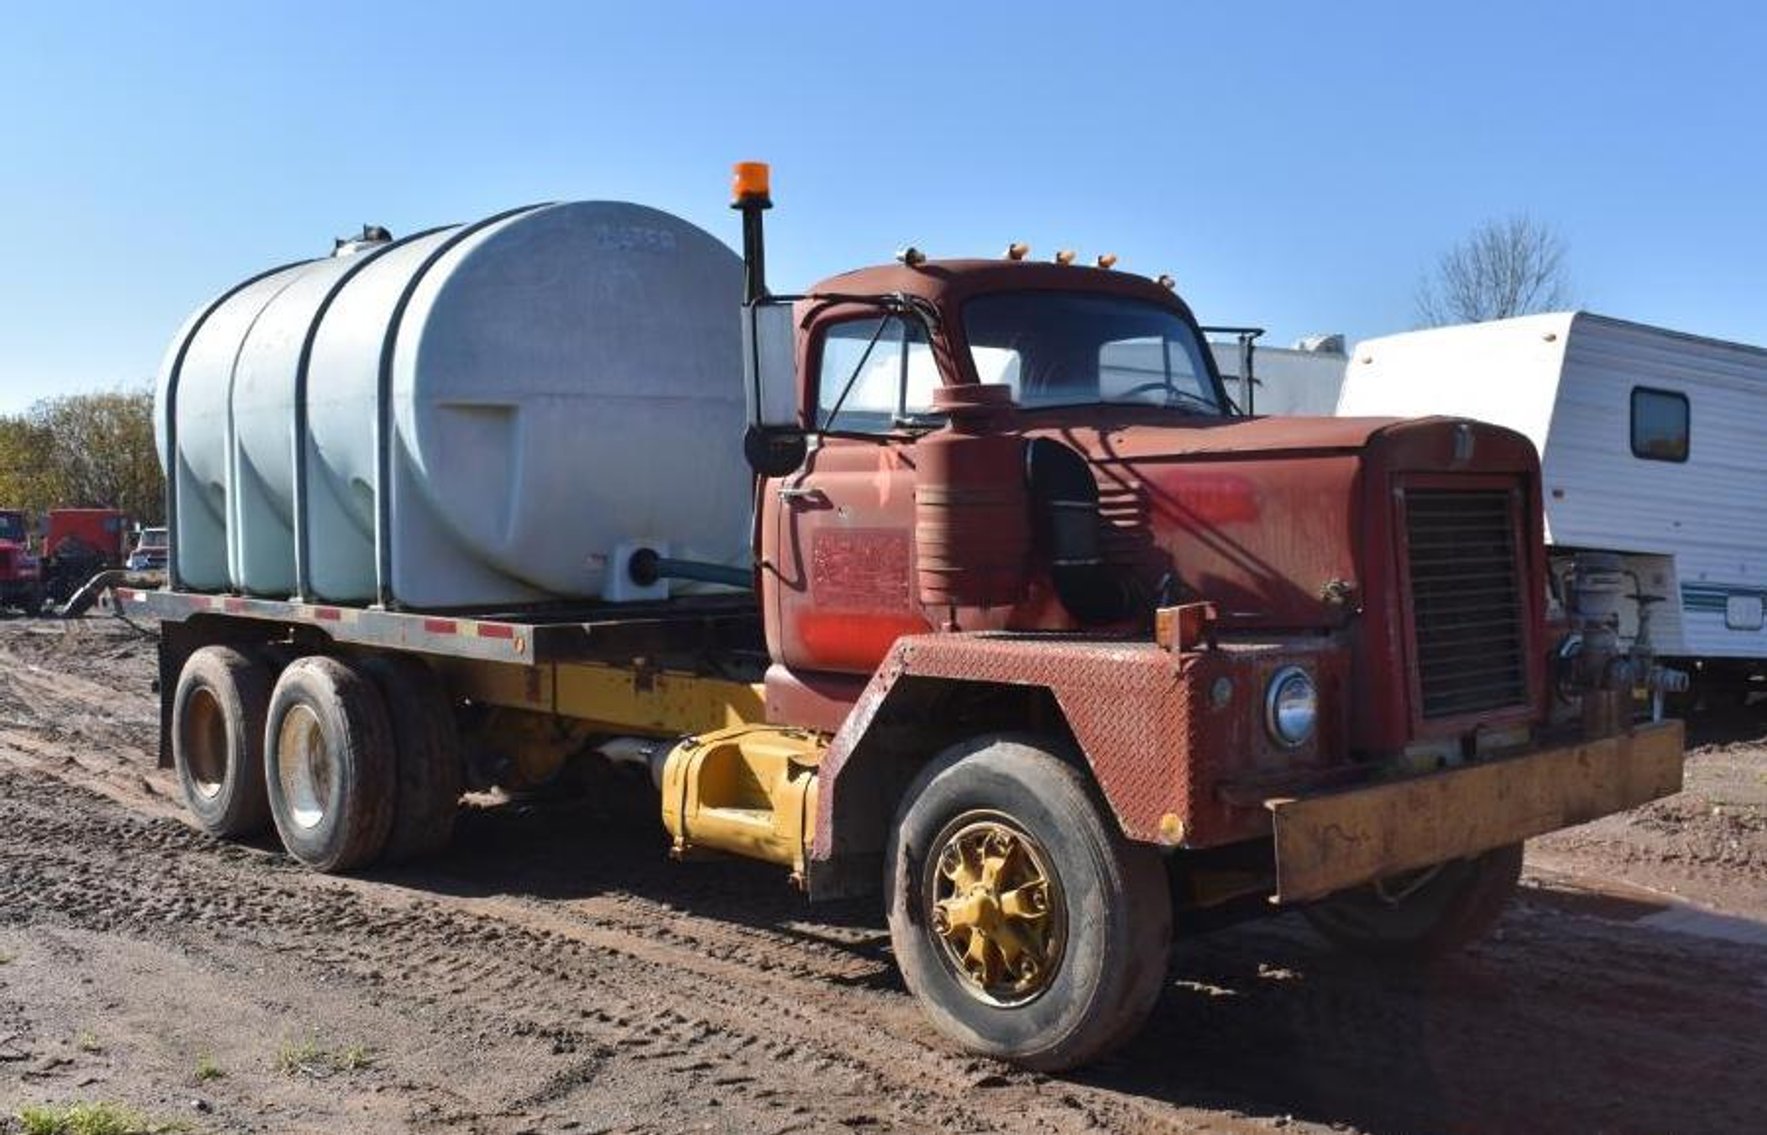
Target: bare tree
(1506, 267)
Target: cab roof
(947, 283)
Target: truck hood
(1237, 436)
(1273, 519)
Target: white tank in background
(552, 384)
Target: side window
(874, 373)
(1659, 424)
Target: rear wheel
(1024, 923)
(429, 760)
(1422, 914)
(218, 716)
(329, 764)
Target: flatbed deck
(592, 632)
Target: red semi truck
(1047, 645)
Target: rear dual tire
(329, 764)
(218, 713)
(427, 743)
(352, 762)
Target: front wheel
(1023, 922)
(1422, 914)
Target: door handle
(795, 493)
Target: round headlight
(1291, 706)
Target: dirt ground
(555, 973)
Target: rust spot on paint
(860, 569)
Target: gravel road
(554, 972)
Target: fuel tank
(475, 415)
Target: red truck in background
(78, 543)
(21, 586)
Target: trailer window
(1659, 424)
(875, 374)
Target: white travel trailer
(1653, 444)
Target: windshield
(1069, 348)
(12, 527)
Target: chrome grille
(1466, 600)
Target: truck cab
(1009, 515)
(20, 585)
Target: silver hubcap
(304, 767)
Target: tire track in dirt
(589, 981)
(764, 1031)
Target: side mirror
(775, 443)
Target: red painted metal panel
(1155, 727)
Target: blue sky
(1294, 165)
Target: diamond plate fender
(1160, 731)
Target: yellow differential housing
(748, 790)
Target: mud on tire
(1109, 901)
(218, 713)
(1453, 906)
(427, 744)
(329, 764)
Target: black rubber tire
(1458, 906)
(1116, 898)
(344, 712)
(430, 766)
(218, 713)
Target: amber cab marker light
(911, 256)
(1017, 251)
(750, 181)
(1107, 261)
(1065, 256)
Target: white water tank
(472, 417)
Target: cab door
(838, 534)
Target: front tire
(1027, 927)
(1422, 914)
(329, 764)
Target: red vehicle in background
(78, 543)
(21, 586)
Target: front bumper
(1328, 842)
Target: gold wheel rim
(996, 909)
